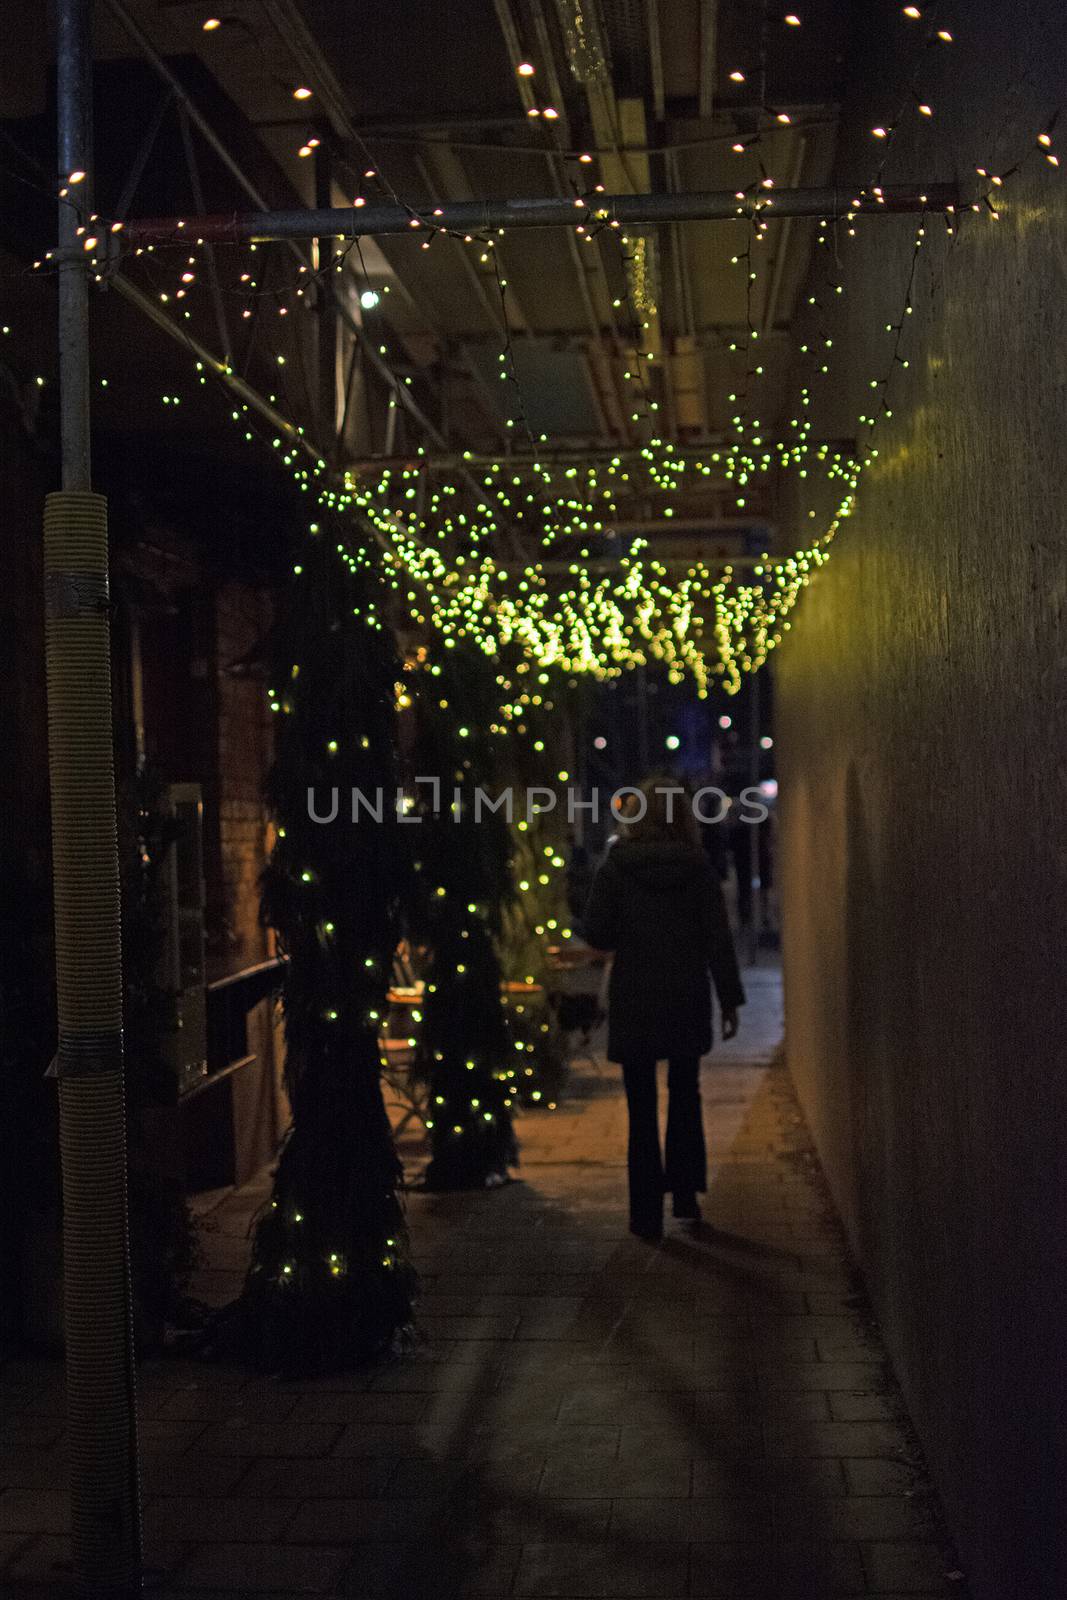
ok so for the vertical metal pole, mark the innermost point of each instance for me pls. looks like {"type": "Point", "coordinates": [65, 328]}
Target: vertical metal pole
{"type": "Point", "coordinates": [98, 1320]}
{"type": "Point", "coordinates": [74, 133]}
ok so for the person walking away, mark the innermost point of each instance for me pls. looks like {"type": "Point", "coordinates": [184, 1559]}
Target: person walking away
{"type": "Point", "coordinates": [656, 904]}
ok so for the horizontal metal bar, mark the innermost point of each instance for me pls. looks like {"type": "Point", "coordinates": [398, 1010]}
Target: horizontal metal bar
{"type": "Point", "coordinates": [554, 566]}
{"type": "Point", "coordinates": [690, 529]}
{"type": "Point", "coordinates": [567, 455]}
{"type": "Point", "coordinates": [546, 211]}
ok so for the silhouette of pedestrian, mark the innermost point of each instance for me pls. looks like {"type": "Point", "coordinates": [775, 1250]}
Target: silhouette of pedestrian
{"type": "Point", "coordinates": [656, 903]}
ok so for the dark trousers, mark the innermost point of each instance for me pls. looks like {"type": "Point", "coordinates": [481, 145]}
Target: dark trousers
{"type": "Point", "coordinates": [683, 1170]}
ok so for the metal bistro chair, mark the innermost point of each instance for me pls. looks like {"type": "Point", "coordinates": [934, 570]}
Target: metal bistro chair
{"type": "Point", "coordinates": [580, 1009]}
{"type": "Point", "coordinates": [398, 1043]}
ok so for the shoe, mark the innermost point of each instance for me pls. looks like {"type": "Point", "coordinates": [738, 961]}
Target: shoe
{"type": "Point", "coordinates": [647, 1230]}
{"type": "Point", "coordinates": [686, 1207]}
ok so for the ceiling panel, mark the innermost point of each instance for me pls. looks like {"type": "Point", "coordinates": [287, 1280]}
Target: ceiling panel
{"type": "Point", "coordinates": [556, 391]}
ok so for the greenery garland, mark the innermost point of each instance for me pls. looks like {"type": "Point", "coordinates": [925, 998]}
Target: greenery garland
{"type": "Point", "coordinates": [330, 1282]}
{"type": "Point", "coordinates": [462, 881]}
{"type": "Point", "coordinates": [534, 919]}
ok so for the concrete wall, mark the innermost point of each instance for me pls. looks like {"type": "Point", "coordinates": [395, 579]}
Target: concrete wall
{"type": "Point", "coordinates": [921, 733]}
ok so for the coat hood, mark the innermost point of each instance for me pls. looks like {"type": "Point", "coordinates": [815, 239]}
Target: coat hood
{"type": "Point", "coordinates": [662, 866]}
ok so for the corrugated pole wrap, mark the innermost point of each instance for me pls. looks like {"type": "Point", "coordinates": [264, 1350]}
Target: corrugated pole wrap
{"type": "Point", "coordinates": [98, 1318]}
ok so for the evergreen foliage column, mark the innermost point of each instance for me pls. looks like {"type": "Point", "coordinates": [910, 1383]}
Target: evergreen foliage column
{"type": "Point", "coordinates": [536, 919]}
{"type": "Point", "coordinates": [330, 1281]}
{"type": "Point", "coordinates": [462, 878]}
{"type": "Point", "coordinates": [537, 915]}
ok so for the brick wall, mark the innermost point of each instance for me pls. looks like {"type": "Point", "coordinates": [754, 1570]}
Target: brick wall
{"type": "Point", "coordinates": [242, 616]}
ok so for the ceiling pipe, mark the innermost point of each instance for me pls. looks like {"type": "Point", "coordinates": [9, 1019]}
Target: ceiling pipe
{"type": "Point", "coordinates": [543, 211]}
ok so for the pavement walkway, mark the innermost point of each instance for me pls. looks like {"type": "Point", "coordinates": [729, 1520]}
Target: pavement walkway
{"type": "Point", "coordinates": [588, 1415]}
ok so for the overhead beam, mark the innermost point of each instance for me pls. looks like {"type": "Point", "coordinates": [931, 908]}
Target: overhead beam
{"type": "Point", "coordinates": [542, 211]}
{"type": "Point", "coordinates": [513, 44]}
{"type": "Point", "coordinates": [554, 455]}
{"type": "Point", "coordinates": [453, 125]}
{"type": "Point", "coordinates": [655, 61]}
{"type": "Point", "coordinates": [709, 56]}
{"type": "Point", "coordinates": [709, 335]}
{"type": "Point", "coordinates": [554, 565]}
{"type": "Point", "coordinates": [774, 291]}
{"type": "Point", "coordinates": [547, 58]}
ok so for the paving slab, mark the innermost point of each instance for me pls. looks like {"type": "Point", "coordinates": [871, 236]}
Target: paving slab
{"type": "Point", "coordinates": [585, 1414]}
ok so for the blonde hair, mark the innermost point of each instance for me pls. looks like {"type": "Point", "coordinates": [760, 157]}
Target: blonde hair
{"type": "Point", "coordinates": [667, 816]}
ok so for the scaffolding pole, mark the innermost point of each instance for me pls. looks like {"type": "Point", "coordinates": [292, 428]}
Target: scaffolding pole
{"type": "Point", "coordinates": [544, 211]}
{"type": "Point", "coordinates": [97, 1306]}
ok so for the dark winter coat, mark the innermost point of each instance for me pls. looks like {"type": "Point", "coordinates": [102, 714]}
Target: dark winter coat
{"type": "Point", "coordinates": [659, 908]}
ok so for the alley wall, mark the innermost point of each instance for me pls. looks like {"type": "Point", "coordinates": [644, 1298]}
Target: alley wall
{"type": "Point", "coordinates": [922, 744]}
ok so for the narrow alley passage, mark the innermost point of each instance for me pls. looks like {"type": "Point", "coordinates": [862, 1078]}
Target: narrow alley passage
{"type": "Point", "coordinates": [586, 1414]}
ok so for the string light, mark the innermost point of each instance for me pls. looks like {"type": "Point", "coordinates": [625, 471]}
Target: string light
{"type": "Point", "coordinates": [588, 623]}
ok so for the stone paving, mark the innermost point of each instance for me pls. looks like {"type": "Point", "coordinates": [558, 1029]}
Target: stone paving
{"type": "Point", "coordinates": [587, 1415]}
